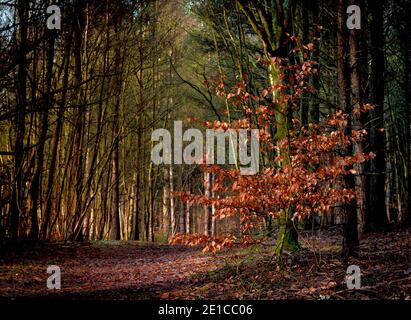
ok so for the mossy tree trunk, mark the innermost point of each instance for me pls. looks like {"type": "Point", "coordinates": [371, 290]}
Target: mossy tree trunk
{"type": "Point", "coordinates": [287, 238]}
{"type": "Point", "coordinates": [271, 24]}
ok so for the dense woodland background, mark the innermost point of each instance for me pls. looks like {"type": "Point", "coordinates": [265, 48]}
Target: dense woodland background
{"type": "Point", "coordinates": [78, 106]}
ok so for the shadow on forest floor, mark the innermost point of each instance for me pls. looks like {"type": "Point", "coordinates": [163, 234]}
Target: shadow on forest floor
{"type": "Point", "coordinates": [133, 270]}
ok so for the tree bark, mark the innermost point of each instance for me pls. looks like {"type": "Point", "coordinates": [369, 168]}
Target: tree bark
{"type": "Point", "coordinates": [357, 100]}
{"type": "Point", "coordinates": [20, 119]}
{"type": "Point", "coordinates": [208, 212]}
{"type": "Point", "coordinates": [376, 219]}
{"type": "Point", "coordinates": [350, 231]}
{"type": "Point", "coordinates": [172, 209]}
{"type": "Point", "coordinates": [115, 230]}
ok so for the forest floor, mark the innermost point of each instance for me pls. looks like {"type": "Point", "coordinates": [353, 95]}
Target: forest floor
{"type": "Point", "coordinates": [135, 270]}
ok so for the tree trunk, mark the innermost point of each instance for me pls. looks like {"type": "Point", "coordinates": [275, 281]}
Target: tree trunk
{"type": "Point", "coordinates": [407, 89]}
{"type": "Point", "coordinates": [166, 205]}
{"type": "Point", "coordinates": [20, 119]}
{"type": "Point", "coordinates": [172, 211]}
{"type": "Point", "coordinates": [357, 99]}
{"type": "Point", "coordinates": [207, 209]}
{"type": "Point", "coordinates": [115, 229]}
{"type": "Point", "coordinates": [187, 212]}
{"type": "Point", "coordinates": [213, 217]}
{"type": "Point", "coordinates": [376, 219]}
{"type": "Point", "coordinates": [287, 238]}
{"type": "Point", "coordinates": [350, 231]}
{"type": "Point", "coordinates": [78, 163]}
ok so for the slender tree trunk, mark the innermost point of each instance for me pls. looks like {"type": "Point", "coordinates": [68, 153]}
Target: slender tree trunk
{"type": "Point", "coordinates": [181, 217]}
{"type": "Point", "coordinates": [376, 219]}
{"type": "Point", "coordinates": [314, 78]}
{"type": "Point", "coordinates": [115, 229]}
{"type": "Point", "coordinates": [350, 231]}
{"type": "Point", "coordinates": [207, 209]}
{"type": "Point", "coordinates": [357, 99]}
{"type": "Point", "coordinates": [78, 164]}
{"type": "Point", "coordinates": [20, 119]}
{"type": "Point", "coordinates": [187, 217]}
{"type": "Point", "coordinates": [137, 194]}
{"type": "Point", "coordinates": [407, 89]}
{"type": "Point", "coordinates": [139, 112]}
{"type": "Point", "coordinates": [213, 216]}
{"type": "Point", "coordinates": [166, 204]}
{"type": "Point", "coordinates": [172, 211]}
{"type": "Point", "coordinates": [304, 103]}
